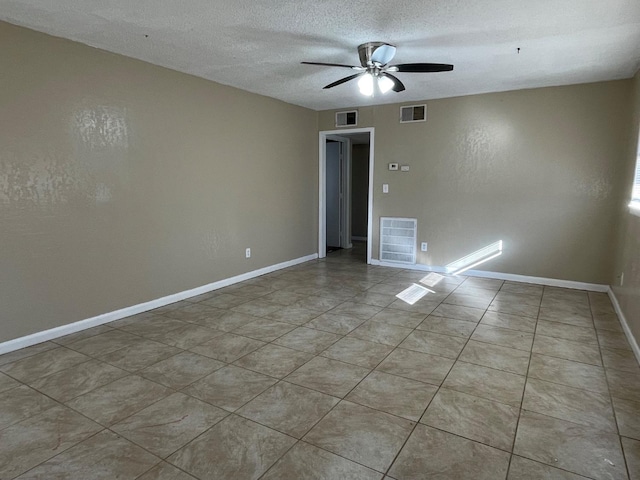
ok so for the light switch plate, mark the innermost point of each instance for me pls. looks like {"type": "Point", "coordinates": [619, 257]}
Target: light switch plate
{"type": "Point", "coordinates": [385, 188]}
{"type": "Point", "coordinates": [393, 166]}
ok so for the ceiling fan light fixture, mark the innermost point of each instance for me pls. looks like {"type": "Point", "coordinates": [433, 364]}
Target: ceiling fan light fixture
{"type": "Point", "coordinates": [365, 84]}
{"type": "Point", "coordinates": [385, 84]}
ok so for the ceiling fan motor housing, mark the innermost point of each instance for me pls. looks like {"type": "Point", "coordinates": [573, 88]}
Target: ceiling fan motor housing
{"type": "Point", "coordinates": [365, 51]}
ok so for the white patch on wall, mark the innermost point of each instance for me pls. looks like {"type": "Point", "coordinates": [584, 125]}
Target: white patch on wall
{"type": "Point", "coordinates": [398, 240]}
{"type": "Point", "coordinates": [101, 127]}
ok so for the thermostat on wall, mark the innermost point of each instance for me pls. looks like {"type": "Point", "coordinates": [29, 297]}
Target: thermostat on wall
{"type": "Point", "coordinates": [393, 166]}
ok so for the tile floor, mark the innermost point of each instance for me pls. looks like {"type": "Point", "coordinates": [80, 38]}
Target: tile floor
{"type": "Point", "coordinates": [319, 372]}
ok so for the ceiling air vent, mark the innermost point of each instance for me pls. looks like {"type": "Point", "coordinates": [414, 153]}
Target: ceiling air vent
{"type": "Point", "coordinates": [346, 119]}
{"type": "Point", "coordinates": [413, 113]}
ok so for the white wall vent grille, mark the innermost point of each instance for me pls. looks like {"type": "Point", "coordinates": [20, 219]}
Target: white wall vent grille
{"type": "Point", "coordinates": [413, 113]}
{"type": "Point", "coordinates": [398, 240]}
{"type": "Point", "coordinates": [346, 119]}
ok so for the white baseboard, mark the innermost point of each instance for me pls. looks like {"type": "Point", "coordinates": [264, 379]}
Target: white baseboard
{"type": "Point", "coordinates": [552, 282]}
{"type": "Point", "coordinates": [45, 335]}
{"type": "Point", "coordinates": [625, 325]}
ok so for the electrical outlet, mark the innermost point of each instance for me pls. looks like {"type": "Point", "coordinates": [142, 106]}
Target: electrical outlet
{"type": "Point", "coordinates": [247, 253]}
{"type": "Point", "coordinates": [385, 188]}
{"type": "Point", "coordinates": [423, 246]}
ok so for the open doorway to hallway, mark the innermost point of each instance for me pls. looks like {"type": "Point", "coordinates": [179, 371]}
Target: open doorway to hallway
{"type": "Point", "coordinates": [346, 173]}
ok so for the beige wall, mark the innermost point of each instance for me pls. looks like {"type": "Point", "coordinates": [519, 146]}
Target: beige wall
{"type": "Point", "coordinates": [540, 169]}
{"type": "Point", "coordinates": [628, 247]}
{"type": "Point", "coordinates": [122, 182]}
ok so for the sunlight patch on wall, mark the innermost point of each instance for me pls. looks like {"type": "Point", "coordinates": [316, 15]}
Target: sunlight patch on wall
{"type": "Point", "coordinates": [476, 258]}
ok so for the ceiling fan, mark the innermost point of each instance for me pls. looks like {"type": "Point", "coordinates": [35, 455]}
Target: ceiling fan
{"type": "Point", "coordinates": [374, 69]}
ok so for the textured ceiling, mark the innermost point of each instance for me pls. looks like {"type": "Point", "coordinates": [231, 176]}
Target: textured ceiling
{"type": "Point", "coordinates": [257, 45]}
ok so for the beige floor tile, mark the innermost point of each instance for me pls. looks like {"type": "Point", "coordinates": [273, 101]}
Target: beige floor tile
{"type": "Point", "coordinates": [145, 353]}
{"type": "Point", "coordinates": [20, 403]}
{"type": "Point", "coordinates": [26, 352]}
{"type": "Point", "coordinates": [431, 453]}
{"type": "Point", "coordinates": [417, 366]}
{"type": "Point", "coordinates": [224, 300]}
{"type": "Point", "coordinates": [42, 364]}
{"type": "Point", "coordinates": [568, 332]}
{"type": "Point", "coordinates": [361, 434]}
{"type": "Point", "coordinates": [575, 405]}
{"type": "Point", "coordinates": [335, 323]}
{"type": "Point", "coordinates": [580, 317]}
{"type": "Point", "coordinates": [617, 340]}
{"type": "Point", "coordinates": [628, 417]}
{"type": "Point", "coordinates": [475, 418]}
{"type": "Point", "coordinates": [424, 306]}
{"type": "Point", "coordinates": [288, 408]}
{"type": "Point", "coordinates": [147, 325]}
{"type": "Point", "coordinates": [258, 307]}
{"type": "Point", "coordinates": [169, 424]}
{"type": "Point", "coordinates": [181, 370]}
{"type": "Point", "coordinates": [504, 337]}
{"type": "Point", "coordinates": [307, 340]}
{"type": "Point", "coordinates": [569, 446]}
{"type": "Point", "coordinates": [187, 336]}
{"type": "Point", "coordinates": [117, 400]}
{"type": "Point", "coordinates": [228, 347]}
{"type": "Point", "coordinates": [376, 299]}
{"type": "Point", "coordinates": [283, 297]}
{"type": "Point", "coordinates": [235, 448]}
{"type": "Point", "coordinates": [566, 372]}
{"type": "Point", "coordinates": [447, 326]}
{"type": "Point", "coordinates": [624, 384]}
{"type": "Point", "coordinates": [306, 462]}
{"type": "Point", "coordinates": [525, 469]}
{"type": "Point", "coordinates": [28, 443]}
{"type": "Point", "coordinates": [194, 312]}
{"type": "Point", "coordinates": [227, 321]}
{"type": "Point", "coordinates": [620, 360]}
{"type": "Point", "coordinates": [89, 332]}
{"type": "Point", "coordinates": [294, 315]}
{"type": "Point", "coordinates": [487, 383]}
{"type": "Point", "coordinates": [264, 329]}
{"type": "Point", "coordinates": [78, 380]}
{"type": "Point", "coordinates": [495, 356]}
{"type": "Point", "coordinates": [230, 387]}
{"type": "Point", "coordinates": [465, 300]}
{"type": "Point", "coordinates": [379, 332]}
{"type": "Point", "coordinates": [514, 322]}
{"type": "Point", "coordinates": [522, 288]}
{"type": "Point", "coordinates": [318, 304]}
{"type": "Point", "coordinates": [434, 343]}
{"type": "Point", "coordinates": [274, 360]}
{"type": "Point", "coordinates": [566, 349]}
{"type": "Point", "coordinates": [608, 322]}
{"type": "Point", "coordinates": [166, 471]}
{"type": "Point", "coordinates": [328, 376]}
{"type": "Point", "coordinates": [104, 456]}
{"type": "Point", "coordinates": [517, 309]}
{"type": "Point", "coordinates": [392, 394]}
{"type": "Point", "coordinates": [632, 455]}
{"type": "Point", "coordinates": [459, 312]}
{"type": "Point", "coordinates": [519, 298]}
{"type": "Point", "coordinates": [7, 383]}
{"type": "Point", "coordinates": [105, 343]}
{"type": "Point", "coordinates": [358, 352]}
{"type": "Point", "coordinates": [248, 290]}
{"type": "Point", "coordinates": [358, 310]}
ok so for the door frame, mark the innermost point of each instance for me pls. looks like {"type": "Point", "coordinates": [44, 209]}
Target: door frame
{"type": "Point", "coordinates": [322, 185]}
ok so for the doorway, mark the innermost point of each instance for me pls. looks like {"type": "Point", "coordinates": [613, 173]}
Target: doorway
{"type": "Point", "coordinates": [345, 190]}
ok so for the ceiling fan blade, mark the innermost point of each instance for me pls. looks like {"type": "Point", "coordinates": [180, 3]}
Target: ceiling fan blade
{"type": "Point", "coordinates": [332, 65]}
{"type": "Point", "coordinates": [398, 86]}
{"type": "Point", "coordinates": [421, 67]}
{"type": "Point", "coordinates": [383, 54]}
{"type": "Point", "coordinates": [343, 80]}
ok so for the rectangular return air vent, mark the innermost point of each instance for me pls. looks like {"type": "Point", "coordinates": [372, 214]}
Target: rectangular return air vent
{"type": "Point", "coordinates": [398, 240]}
{"type": "Point", "coordinates": [413, 113]}
{"type": "Point", "coordinates": [346, 119]}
